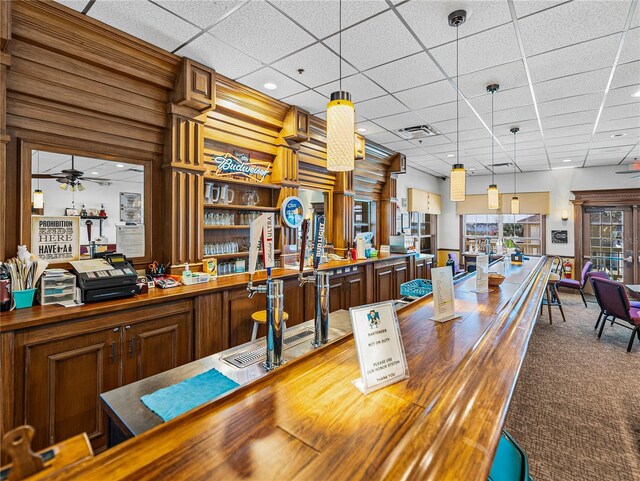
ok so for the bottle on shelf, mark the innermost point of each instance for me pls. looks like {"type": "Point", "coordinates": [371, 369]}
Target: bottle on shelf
{"type": "Point", "coordinates": [102, 213]}
{"type": "Point", "coordinates": [83, 211]}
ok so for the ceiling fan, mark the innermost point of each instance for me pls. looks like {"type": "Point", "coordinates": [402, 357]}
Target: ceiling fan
{"type": "Point", "coordinates": [634, 168]}
{"type": "Point", "coordinates": [70, 178]}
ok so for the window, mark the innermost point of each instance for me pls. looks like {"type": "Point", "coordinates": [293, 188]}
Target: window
{"type": "Point", "coordinates": [524, 229]}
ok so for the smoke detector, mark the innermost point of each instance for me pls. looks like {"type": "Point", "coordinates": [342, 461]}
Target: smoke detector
{"type": "Point", "coordinates": [418, 132]}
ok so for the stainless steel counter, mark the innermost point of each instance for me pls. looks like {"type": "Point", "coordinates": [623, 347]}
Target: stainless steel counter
{"type": "Point", "coordinates": [132, 417]}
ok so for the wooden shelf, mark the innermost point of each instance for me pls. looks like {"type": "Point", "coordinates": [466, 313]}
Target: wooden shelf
{"type": "Point", "coordinates": [261, 208]}
{"type": "Point", "coordinates": [232, 227]}
{"type": "Point", "coordinates": [93, 217]}
{"type": "Point", "coordinates": [257, 185]}
{"type": "Point", "coordinates": [233, 255]}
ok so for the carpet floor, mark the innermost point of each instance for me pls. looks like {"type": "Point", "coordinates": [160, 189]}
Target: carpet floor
{"type": "Point", "coordinates": [576, 407]}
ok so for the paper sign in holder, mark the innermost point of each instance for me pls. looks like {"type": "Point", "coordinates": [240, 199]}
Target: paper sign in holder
{"type": "Point", "coordinates": [444, 303]}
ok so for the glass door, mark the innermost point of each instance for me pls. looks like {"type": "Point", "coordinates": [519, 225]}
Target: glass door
{"type": "Point", "coordinates": [609, 241]}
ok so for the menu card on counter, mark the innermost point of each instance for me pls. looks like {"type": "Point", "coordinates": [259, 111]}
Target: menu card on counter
{"type": "Point", "coordinates": [379, 346]}
{"type": "Point", "coordinates": [444, 305]}
{"type": "Point", "coordinates": [482, 274]}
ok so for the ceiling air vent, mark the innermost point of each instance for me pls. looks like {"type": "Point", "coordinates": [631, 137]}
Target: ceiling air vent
{"type": "Point", "coordinates": [504, 164]}
{"type": "Point", "coordinates": [418, 132]}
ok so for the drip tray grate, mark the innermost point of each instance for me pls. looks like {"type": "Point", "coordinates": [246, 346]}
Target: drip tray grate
{"type": "Point", "coordinates": [257, 353]}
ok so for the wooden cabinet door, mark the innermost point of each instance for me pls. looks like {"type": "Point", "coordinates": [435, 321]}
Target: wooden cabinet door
{"type": "Point", "coordinates": [401, 275]}
{"type": "Point", "coordinates": [62, 384]}
{"type": "Point", "coordinates": [157, 345]}
{"type": "Point", "coordinates": [421, 270]}
{"type": "Point", "coordinates": [239, 309]}
{"type": "Point", "coordinates": [354, 290]}
{"type": "Point", "coordinates": [294, 302]}
{"type": "Point", "coordinates": [384, 283]}
{"type": "Point", "coordinates": [336, 299]}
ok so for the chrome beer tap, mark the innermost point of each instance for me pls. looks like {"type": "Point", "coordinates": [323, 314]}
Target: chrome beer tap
{"type": "Point", "coordinates": [319, 279]}
{"type": "Point", "coordinates": [274, 289]}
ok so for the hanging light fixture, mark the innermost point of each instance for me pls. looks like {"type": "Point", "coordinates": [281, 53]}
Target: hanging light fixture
{"type": "Point", "coordinates": [493, 195]}
{"type": "Point", "coordinates": [457, 189]}
{"type": "Point", "coordinates": [515, 202]}
{"type": "Point", "coordinates": [340, 124]}
{"type": "Point", "coordinates": [38, 195]}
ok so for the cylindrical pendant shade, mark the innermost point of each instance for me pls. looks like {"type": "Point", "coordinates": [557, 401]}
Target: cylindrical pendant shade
{"type": "Point", "coordinates": [457, 191]}
{"type": "Point", "coordinates": [38, 199]}
{"type": "Point", "coordinates": [515, 205]}
{"type": "Point", "coordinates": [493, 197]}
{"type": "Point", "coordinates": [340, 133]}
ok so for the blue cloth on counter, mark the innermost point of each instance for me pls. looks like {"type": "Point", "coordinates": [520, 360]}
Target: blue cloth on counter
{"type": "Point", "coordinates": [170, 402]}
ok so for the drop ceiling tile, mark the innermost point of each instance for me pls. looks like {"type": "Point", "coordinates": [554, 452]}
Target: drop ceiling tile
{"type": "Point", "coordinates": [380, 107]}
{"type": "Point", "coordinates": [439, 112]}
{"type": "Point", "coordinates": [570, 104]}
{"type": "Point", "coordinates": [378, 40]}
{"type": "Point", "coordinates": [251, 30]}
{"type": "Point", "coordinates": [628, 111]}
{"type": "Point", "coordinates": [567, 131]}
{"type": "Point", "coordinates": [77, 5]}
{"type": "Point", "coordinates": [408, 72]}
{"type": "Point", "coordinates": [504, 99]}
{"type": "Point", "coordinates": [536, 167]}
{"type": "Point", "coordinates": [593, 162]}
{"type": "Point", "coordinates": [571, 23]}
{"type": "Point", "coordinates": [508, 76]}
{"type": "Point", "coordinates": [564, 120]}
{"type": "Point", "coordinates": [507, 117]}
{"type": "Point", "coordinates": [618, 125]}
{"type": "Point", "coordinates": [449, 126]}
{"type": "Point", "coordinates": [321, 17]}
{"type": "Point", "coordinates": [563, 149]}
{"type": "Point", "coordinates": [320, 66]}
{"type": "Point", "coordinates": [401, 145]}
{"type": "Point", "coordinates": [626, 74]}
{"type": "Point", "coordinates": [309, 100]}
{"type": "Point", "coordinates": [476, 134]}
{"type": "Point", "coordinates": [578, 84]}
{"type": "Point", "coordinates": [226, 60]}
{"type": "Point", "coordinates": [593, 55]}
{"type": "Point", "coordinates": [360, 87]}
{"type": "Point", "coordinates": [203, 13]}
{"type": "Point", "coordinates": [398, 121]}
{"type": "Point", "coordinates": [630, 51]}
{"type": "Point", "coordinates": [487, 49]}
{"type": "Point", "coordinates": [286, 86]}
{"type": "Point", "coordinates": [145, 21]}
{"type": "Point", "coordinates": [428, 95]}
{"type": "Point", "coordinates": [622, 137]}
{"type": "Point", "coordinates": [322, 115]}
{"type": "Point", "coordinates": [371, 128]}
{"type": "Point", "coordinates": [529, 131]}
{"type": "Point", "coordinates": [383, 137]}
{"type": "Point", "coordinates": [571, 140]}
{"type": "Point", "coordinates": [623, 95]}
{"type": "Point", "coordinates": [574, 155]}
{"type": "Point", "coordinates": [528, 7]}
{"type": "Point", "coordinates": [430, 143]}
{"type": "Point", "coordinates": [429, 20]}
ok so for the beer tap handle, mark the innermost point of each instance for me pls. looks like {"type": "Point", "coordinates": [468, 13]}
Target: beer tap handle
{"type": "Point", "coordinates": [303, 247]}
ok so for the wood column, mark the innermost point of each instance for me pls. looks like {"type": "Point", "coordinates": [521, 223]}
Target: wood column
{"type": "Point", "coordinates": [192, 97]}
{"type": "Point", "coordinates": [343, 204]}
{"type": "Point", "coordinates": [388, 203]}
{"type": "Point", "coordinates": [5, 63]}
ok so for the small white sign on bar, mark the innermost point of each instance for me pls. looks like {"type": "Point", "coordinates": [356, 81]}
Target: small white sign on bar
{"type": "Point", "coordinates": [482, 274]}
{"type": "Point", "coordinates": [379, 346]}
{"type": "Point", "coordinates": [444, 304]}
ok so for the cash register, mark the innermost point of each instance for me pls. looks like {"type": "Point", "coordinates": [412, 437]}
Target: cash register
{"type": "Point", "coordinates": [103, 279]}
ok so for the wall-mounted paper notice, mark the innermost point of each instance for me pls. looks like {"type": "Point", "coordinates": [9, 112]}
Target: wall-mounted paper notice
{"type": "Point", "coordinates": [130, 240]}
{"type": "Point", "coordinates": [444, 307]}
{"type": "Point", "coordinates": [379, 346]}
{"type": "Point", "coordinates": [482, 274]}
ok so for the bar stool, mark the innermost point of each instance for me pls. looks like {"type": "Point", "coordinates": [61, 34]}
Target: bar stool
{"type": "Point", "coordinates": [260, 317]}
{"type": "Point", "coordinates": [552, 297]}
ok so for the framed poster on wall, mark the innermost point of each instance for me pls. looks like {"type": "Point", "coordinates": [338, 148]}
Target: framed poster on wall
{"type": "Point", "coordinates": [55, 239]}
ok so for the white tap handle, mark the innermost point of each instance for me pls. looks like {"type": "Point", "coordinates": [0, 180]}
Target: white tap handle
{"type": "Point", "coordinates": [268, 234]}
{"type": "Point", "coordinates": [255, 231]}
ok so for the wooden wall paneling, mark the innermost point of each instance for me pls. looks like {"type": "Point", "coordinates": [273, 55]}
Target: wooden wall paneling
{"type": "Point", "coordinates": [5, 64]}
{"type": "Point", "coordinates": [7, 380]}
{"type": "Point", "coordinates": [184, 232]}
{"type": "Point", "coordinates": [195, 86]}
{"type": "Point", "coordinates": [343, 204]}
{"type": "Point", "coordinates": [388, 206]}
{"type": "Point", "coordinates": [209, 324]}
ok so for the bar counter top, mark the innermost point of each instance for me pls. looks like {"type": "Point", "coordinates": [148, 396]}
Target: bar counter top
{"type": "Point", "coordinates": [40, 315]}
{"type": "Point", "coordinates": [307, 421]}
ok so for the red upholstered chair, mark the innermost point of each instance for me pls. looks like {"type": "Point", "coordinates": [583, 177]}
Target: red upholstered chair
{"type": "Point", "coordinates": [615, 305]}
{"type": "Point", "coordinates": [579, 285]}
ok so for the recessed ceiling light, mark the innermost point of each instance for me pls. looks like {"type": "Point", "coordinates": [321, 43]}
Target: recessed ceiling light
{"type": "Point", "coordinates": [637, 94]}
{"type": "Point", "coordinates": [94, 173]}
{"type": "Point", "coordinates": [270, 86]}
{"type": "Point", "coordinates": [564, 167]}
{"type": "Point", "coordinates": [120, 165]}
{"type": "Point", "coordinates": [451, 155]}
{"type": "Point", "coordinates": [361, 130]}
{"type": "Point", "coordinates": [617, 135]}
{"type": "Point", "coordinates": [567, 160]}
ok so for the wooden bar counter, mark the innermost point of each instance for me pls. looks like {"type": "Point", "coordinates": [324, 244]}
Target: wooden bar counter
{"type": "Point", "coordinates": [307, 421]}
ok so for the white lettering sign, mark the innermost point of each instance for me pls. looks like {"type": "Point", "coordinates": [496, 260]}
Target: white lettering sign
{"type": "Point", "coordinates": [379, 346]}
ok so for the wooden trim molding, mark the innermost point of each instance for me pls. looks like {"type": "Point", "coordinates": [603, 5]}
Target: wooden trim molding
{"type": "Point", "coordinates": [607, 197]}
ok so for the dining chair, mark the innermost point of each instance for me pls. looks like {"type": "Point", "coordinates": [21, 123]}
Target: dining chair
{"type": "Point", "coordinates": [616, 307]}
{"type": "Point", "coordinates": [575, 284]}
{"type": "Point", "coordinates": [599, 275]}
{"type": "Point", "coordinates": [456, 265]}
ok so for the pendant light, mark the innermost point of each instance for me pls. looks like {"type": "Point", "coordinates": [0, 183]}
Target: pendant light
{"type": "Point", "coordinates": [340, 124]}
{"type": "Point", "coordinates": [515, 202]}
{"type": "Point", "coordinates": [38, 195]}
{"type": "Point", "coordinates": [457, 189]}
{"type": "Point", "coordinates": [493, 195]}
